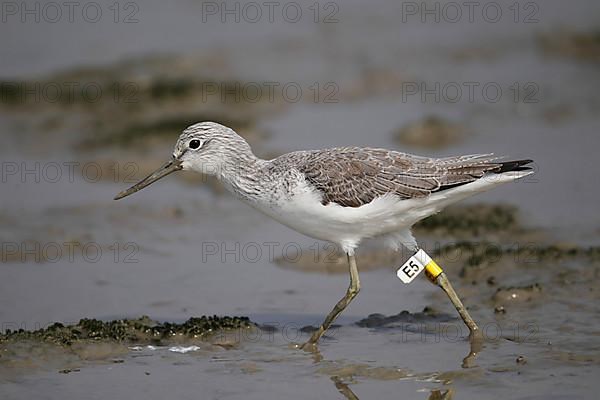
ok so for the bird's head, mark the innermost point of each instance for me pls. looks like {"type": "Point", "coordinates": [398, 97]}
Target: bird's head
{"type": "Point", "coordinates": [205, 147]}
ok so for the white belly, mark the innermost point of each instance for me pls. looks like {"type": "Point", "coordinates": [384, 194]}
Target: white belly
{"type": "Point", "coordinates": [385, 215]}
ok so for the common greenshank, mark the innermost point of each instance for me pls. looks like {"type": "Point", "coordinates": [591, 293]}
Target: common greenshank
{"type": "Point", "coordinates": [342, 195]}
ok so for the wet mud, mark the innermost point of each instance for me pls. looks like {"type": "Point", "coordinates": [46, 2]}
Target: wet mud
{"type": "Point", "coordinates": [582, 46]}
{"type": "Point", "coordinates": [431, 133]}
{"type": "Point", "coordinates": [137, 331]}
{"type": "Point", "coordinates": [524, 258]}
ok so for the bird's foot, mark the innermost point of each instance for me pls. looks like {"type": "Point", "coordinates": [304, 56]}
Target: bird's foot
{"type": "Point", "coordinates": [312, 349]}
{"type": "Point", "coordinates": [475, 336]}
{"type": "Point", "coordinates": [476, 341]}
{"type": "Point", "coordinates": [309, 347]}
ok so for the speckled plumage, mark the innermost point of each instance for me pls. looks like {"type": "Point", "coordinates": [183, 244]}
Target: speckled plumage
{"type": "Point", "coordinates": [355, 176]}
{"type": "Point", "coordinates": [347, 176]}
{"type": "Point", "coordinates": [342, 195]}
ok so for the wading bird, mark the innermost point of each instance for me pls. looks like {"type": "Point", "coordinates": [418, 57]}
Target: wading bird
{"type": "Point", "coordinates": [341, 195]}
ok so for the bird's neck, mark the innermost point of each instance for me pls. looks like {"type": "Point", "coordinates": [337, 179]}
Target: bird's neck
{"type": "Point", "coordinates": [243, 174]}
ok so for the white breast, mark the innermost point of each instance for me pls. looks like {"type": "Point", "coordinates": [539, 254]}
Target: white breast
{"type": "Point", "coordinates": [347, 226]}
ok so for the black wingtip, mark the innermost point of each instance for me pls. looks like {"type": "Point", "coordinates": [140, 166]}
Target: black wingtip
{"type": "Point", "coordinates": [517, 165]}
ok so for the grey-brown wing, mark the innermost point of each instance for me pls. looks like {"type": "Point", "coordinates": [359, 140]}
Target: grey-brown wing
{"type": "Point", "coordinates": [352, 177]}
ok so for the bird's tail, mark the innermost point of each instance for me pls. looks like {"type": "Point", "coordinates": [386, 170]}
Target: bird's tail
{"type": "Point", "coordinates": [517, 165]}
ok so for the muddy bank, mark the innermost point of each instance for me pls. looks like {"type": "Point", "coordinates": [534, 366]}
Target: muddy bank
{"type": "Point", "coordinates": [65, 347]}
{"type": "Point", "coordinates": [476, 240]}
{"type": "Point", "coordinates": [581, 46]}
{"type": "Point", "coordinates": [133, 104]}
{"type": "Point", "coordinates": [458, 228]}
{"type": "Point", "coordinates": [431, 132]}
{"type": "Point", "coordinates": [428, 315]}
{"type": "Point", "coordinates": [136, 331]}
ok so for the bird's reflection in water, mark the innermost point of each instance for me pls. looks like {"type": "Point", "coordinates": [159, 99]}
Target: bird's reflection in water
{"type": "Point", "coordinates": [345, 390]}
{"type": "Point", "coordinates": [476, 346]}
{"type": "Point", "coordinates": [441, 395]}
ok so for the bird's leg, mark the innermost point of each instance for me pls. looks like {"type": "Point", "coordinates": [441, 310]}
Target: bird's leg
{"type": "Point", "coordinates": [438, 277]}
{"type": "Point", "coordinates": [341, 305]}
{"type": "Point", "coordinates": [474, 350]}
{"type": "Point", "coordinates": [344, 388]}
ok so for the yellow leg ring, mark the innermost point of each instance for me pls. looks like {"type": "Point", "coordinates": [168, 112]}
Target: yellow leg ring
{"type": "Point", "coordinates": [432, 270]}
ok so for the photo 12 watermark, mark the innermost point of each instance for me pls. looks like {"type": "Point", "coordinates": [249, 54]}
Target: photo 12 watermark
{"type": "Point", "coordinates": [296, 332]}
{"type": "Point", "coordinates": [67, 92]}
{"type": "Point", "coordinates": [54, 12]}
{"type": "Point", "coordinates": [70, 252]}
{"type": "Point", "coordinates": [470, 92]}
{"type": "Point", "coordinates": [252, 12]}
{"type": "Point", "coordinates": [405, 332]}
{"type": "Point", "coordinates": [35, 172]}
{"type": "Point", "coordinates": [270, 92]}
{"type": "Point", "coordinates": [471, 12]}
{"type": "Point", "coordinates": [520, 252]}
{"type": "Point", "coordinates": [23, 93]}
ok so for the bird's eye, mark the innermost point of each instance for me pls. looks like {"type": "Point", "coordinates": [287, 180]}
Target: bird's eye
{"type": "Point", "coordinates": [194, 144]}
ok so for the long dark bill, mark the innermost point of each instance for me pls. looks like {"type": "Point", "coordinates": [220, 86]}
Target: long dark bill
{"type": "Point", "coordinates": [167, 168]}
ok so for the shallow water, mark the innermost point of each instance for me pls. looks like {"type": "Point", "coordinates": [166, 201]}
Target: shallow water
{"type": "Point", "coordinates": [182, 249]}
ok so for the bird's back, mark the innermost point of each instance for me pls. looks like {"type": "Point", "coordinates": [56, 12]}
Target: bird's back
{"type": "Point", "coordinates": [355, 176]}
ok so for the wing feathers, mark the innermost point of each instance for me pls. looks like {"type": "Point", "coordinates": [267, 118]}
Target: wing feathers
{"type": "Point", "coordinates": [352, 177]}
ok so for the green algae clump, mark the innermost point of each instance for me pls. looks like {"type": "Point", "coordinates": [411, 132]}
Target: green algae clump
{"type": "Point", "coordinates": [138, 331]}
{"type": "Point", "coordinates": [471, 219]}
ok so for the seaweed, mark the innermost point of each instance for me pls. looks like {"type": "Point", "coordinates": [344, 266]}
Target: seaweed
{"type": "Point", "coordinates": [141, 330]}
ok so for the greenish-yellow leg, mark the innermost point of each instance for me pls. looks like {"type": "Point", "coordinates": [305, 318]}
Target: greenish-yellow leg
{"type": "Point", "coordinates": [341, 305]}
{"type": "Point", "coordinates": [443, 282]}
